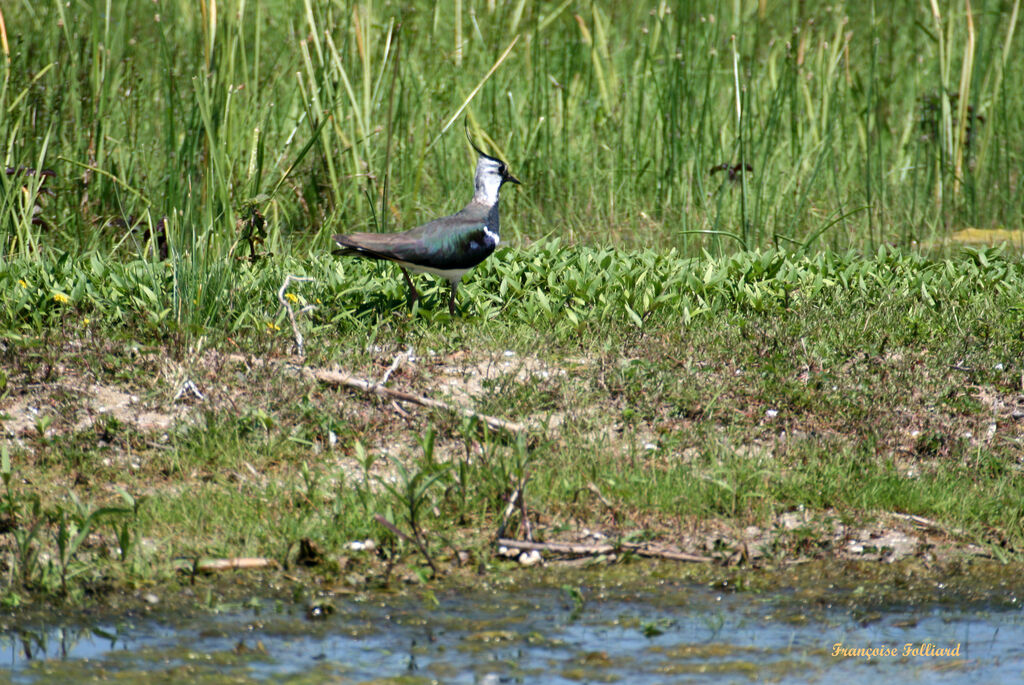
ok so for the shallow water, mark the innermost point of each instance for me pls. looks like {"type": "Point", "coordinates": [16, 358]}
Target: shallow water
{"type": "Point", "coordinates": [532, 635]}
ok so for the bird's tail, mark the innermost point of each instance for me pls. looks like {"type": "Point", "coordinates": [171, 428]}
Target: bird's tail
{"type": "Point", "coordinates": [342, 248]}
{"type": "Point", "coordinates": [346, 247]}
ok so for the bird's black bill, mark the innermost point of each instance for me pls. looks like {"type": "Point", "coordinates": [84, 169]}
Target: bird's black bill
{"type": "Point", "coordinates": [509, 178]}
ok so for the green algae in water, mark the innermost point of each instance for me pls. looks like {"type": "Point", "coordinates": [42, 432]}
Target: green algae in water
{"type": "Point", "coordinates": [715, 650]}
{"type": "Point", "coordinates": [525, 632]}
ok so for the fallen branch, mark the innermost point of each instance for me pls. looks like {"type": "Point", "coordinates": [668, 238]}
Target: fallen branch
{"type": "Point", "coordinates": [237, 563]}
{"type": "Point", "coordinates": [343, 379]}
{"type": "Point", "coordinates": [604, 500]}
{"type": "Point", "coordinates": [923, 522]}
{"type": "Point", "coordinates": [604, 548]}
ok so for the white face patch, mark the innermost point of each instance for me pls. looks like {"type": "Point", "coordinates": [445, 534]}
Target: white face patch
{"type": "Point", "coordinates": [487, 181]}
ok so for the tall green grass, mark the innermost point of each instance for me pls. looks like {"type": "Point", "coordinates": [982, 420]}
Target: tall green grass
{"type": "Point", "coordinates": [864, 123]}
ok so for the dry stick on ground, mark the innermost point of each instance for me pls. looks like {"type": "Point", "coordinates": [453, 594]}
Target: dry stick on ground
{"type": "Point", "coordinates": [398, 410]}
{"type": "Point", "coordinates": [300, 346]}
{"type": "Point", "coordinates": [343, 379]}
{"type": "Point", "coordinates": [399, 359]}
{"type": "Point", "coordinates": [604, 500]}
{"type": "Point", "coordinates": [236, 563]}
{"type": "Point", "coordinates": [338, 378]}
{"type": "Point", "coordinates": [923, 522]}
{"type": "Point", "coordinates": [596, 550]}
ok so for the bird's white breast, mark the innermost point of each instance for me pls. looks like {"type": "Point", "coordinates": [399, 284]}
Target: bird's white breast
{"type": "Point", "coordinates": [451, 275]}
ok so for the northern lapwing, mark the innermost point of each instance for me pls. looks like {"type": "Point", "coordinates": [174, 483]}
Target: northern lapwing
{"type": "Point", "coordinates": [447, 247]}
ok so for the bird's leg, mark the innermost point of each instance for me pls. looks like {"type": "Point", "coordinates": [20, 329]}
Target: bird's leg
{"type": "Point", "coordinates": [451, 301]}
{"type": "Point", "coordinates": [413, 295]}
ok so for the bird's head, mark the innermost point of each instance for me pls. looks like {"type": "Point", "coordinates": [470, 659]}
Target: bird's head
{"type": "Point", "coordinates": [491, 173]}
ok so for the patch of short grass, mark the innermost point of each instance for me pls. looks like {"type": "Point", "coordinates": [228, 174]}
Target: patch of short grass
{"type": "Point", "coordinates": [752, 386]}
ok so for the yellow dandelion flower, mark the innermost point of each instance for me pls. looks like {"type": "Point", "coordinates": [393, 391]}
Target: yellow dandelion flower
{"type": "Point", "coordinates": [60, 298]}
{"type": "Point", "coordinates": [86, 321]}
{"type": "Point", "coordinates": [22, 283]}
{"type": "Point", "coordinates": [271, 326]}
{"type": "Point", "coordinates": [292, 296]}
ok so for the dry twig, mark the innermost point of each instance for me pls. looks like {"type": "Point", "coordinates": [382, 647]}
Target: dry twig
{"type": "Point", "coordinates": [604, 548]}
{"type": "Point", "coordinates": [604, 500]}
{"type": "Point", "coordinates": [508, 512]}
{"type": "Point", "coordinates": [923, 522]}
{"type": "Point", "coordinates": [343, 379]}
{"type": "Point", "coordinates": [233, 564]}
{"type": "Point", "coordinates": [300, 346]}
{"type": "Point", "coordinates": [351, 382]}
{"type": "Point", "coordinates": [399, 359]}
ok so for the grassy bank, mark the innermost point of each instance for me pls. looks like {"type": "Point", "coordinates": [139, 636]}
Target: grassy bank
{"type": "Point", "coordinates": [724, 318]}
{"type": "Point", "coordinates": [765, 406]}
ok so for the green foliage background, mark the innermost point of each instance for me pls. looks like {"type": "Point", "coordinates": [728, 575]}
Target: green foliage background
{"type": "Point", "coordinates": [864, 123]}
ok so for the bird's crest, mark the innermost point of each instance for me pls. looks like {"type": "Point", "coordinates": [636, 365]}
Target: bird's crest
{"type": "Point", "coordinates": [502, 168]}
